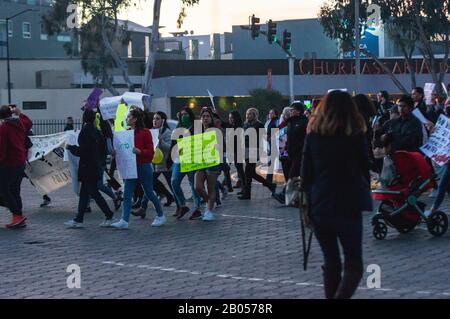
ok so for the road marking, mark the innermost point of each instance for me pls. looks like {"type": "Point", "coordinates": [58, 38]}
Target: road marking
{"type": "Point", "coordinates": [253, 279]}
{"type": "Point", "coordinates": [252, 217]}
{"type": "Point", "coordinates": [423, 292]}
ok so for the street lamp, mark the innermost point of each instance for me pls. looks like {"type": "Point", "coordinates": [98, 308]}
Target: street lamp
{"type": "Point", "coordinates": [7, 50]}
{"type": "Point", "coordinates": [358, 48]}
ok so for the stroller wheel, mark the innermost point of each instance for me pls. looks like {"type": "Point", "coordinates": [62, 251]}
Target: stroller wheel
{"type": "Point", "coordinates": [379, 230]}
{"type": "Point", "coordinates": [437, 223]}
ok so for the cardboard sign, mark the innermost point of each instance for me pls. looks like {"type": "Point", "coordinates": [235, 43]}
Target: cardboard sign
{"type": "Point", "coordinates": [438, 146]}
{"type": "Point", "coordinates": [46, 168]}
{"type": "Point", "coordinates": [125, 158]}
{"type": "Point", "coordinates": [198, 152]}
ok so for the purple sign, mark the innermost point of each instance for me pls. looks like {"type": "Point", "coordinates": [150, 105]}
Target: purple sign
{"type": "Point", "coordinates": [93, 98]}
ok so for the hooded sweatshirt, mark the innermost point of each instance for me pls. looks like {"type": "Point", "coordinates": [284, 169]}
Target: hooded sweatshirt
{"type": "Point", "coordinates": [12, 141]}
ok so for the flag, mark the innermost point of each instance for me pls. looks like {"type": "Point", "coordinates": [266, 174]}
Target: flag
{"type": "Point", "coordinates": [211, 97]}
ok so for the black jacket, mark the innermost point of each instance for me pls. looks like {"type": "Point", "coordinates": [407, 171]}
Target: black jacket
{"type": "Point", "coordinates": [407, 134]}
{"type": "Point", "coordinates": [296, 132]}
{"type": "Point", "coordinates": [257, 126]}
{"type": "Point", "coordinates": [89, 152]}
{"type": "Point", "coordinates": [335, 174]}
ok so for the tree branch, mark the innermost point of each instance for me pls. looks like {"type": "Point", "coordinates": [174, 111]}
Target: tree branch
{"type": "Point", "coordinates": [386, 70]}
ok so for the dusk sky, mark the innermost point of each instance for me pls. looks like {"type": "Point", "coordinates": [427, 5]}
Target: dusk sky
{"type": "Point", "coordinates": [219, 15]}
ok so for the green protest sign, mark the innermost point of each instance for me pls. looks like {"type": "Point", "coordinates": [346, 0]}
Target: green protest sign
{"type": "Point", "coordinates": [198, 152]}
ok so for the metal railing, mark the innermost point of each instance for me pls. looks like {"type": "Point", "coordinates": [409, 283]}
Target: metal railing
{"type": "Point", "coordinates": [45, 127]}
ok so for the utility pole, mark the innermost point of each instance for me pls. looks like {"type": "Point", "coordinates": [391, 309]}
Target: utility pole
{"type": "Point", "coordinates": [8, 67]}
{"type": "Point", "coordinates": [285, 46]}
{"type": "Point", "coordinates": [358, 49]}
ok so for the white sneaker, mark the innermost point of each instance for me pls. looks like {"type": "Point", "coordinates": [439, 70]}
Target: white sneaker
{"type": "Point", "coordinates": [73, 224]}
{"type": "Point", "coordinates": [159, 221]}
{"type": "Point", "coordinates": [121, 224]}
{"type": "Point", "coordinates": [427, 213]}
{"type": "Point", "coordinates": [106, 223]}
{"type": "Point", "coordinates": [208, 216]}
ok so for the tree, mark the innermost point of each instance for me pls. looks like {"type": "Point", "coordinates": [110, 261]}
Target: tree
{"type": "Point", "coordinates": [432, 19]}
{"type": "Point", "coordinates": [411, 24]}
{"type": "Point", "coordinates": [100, 31]}
{"type": "Point", "coordinates": [150, 64]}
{"type": "Point", "coordinates": [427, 21]}
{"type": "Point", "coordinates": [399, 25]}
{"type": "Point", "coordinates": [338, 21]}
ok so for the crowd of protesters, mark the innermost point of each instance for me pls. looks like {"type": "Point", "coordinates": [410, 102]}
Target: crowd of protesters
{"type": "Point", "coordinates": [332, 147]}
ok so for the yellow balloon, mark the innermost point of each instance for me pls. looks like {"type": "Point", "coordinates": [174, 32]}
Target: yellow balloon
{"type": "Point", "coordinates": [158, 157]}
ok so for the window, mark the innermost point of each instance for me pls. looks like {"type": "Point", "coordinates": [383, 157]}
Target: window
{"type": "Point", "coordinates": [2, 39]}
{"type": "Point", "coordinates": [64, 38]}
{"type": "Point", "coordinates": [26, 30]}
{"type": "Point", "coordinates": [3, 28]}
{"type": "Point", "coordinates": [35, 105]}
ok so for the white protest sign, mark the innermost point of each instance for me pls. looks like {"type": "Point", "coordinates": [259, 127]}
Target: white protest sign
{"type": "Point", "coordinates": [342, 90]}
{"type": "Point", "coordinates": [125, 158]}
{"type": "Point", "coordinates": [438, 146]}
{"type": "Point", "coordinates": [428, 90]}
{"type": "Point", "coordinates": [45, 144]}
{"type": "Point", "coordinates": [45, 168]}
{"type": "Point", "coordinates": [155, 135]}
{"type": "Point", "coordinates": [108, 105]}
{"type": "Point", "coordinates": [74, 161]}
{"type": "Point", "coordinates": [71, 139]}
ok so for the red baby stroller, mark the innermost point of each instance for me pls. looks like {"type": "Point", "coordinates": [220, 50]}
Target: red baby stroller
{"type": "Point", "coordinates": [399, 207]}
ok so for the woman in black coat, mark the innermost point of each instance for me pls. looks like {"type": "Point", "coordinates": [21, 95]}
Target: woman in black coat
{"type": "Point", "coordinates": [335, 175]}
{"type": "Point", "coordinates": [89, 170]}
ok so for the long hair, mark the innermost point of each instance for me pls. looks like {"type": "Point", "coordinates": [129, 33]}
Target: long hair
{"type": "Point", "coordinates": [163, 116]}
{"type": "Point", "coordinates": [139, 116]}
{"type": "Point", "coordinates": [190, 114]}
{"type": "Point", "coordinates": [238, 122]}
{"type": "Point", "coordinates": [88, 117]}
{"type": "Point", "coordinates": [148, 119]}
{"type": "Point", "coordinates": [208, 110]}
{"type": "Point", "coordinates": [338, 114]}
{"type": "Point", "coordinates": [365, 106]}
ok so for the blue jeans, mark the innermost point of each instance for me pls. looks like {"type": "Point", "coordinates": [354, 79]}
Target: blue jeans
{"type": "Point", "coordinates": [145, 177]}
{"type": "Point", "coordinates": [442, 189]}
{"type": "Point", "coordinates": [167, 176]}
{"type": "Point", "coordinates": [177, 178]}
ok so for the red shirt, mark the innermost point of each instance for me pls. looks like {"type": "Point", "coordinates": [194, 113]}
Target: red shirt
{"type": "Point", "coordinates": [12, 140]}
{"type": "Point", "coordinates": [144, 142]}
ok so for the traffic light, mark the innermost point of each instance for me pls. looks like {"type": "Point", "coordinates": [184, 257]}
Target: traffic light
{"type": "Point", "coordinates": [255, 28]}
{"type": "Point", "coordinates": [271, 32]}
{"type": "Point", "coordinates": [287, 40]}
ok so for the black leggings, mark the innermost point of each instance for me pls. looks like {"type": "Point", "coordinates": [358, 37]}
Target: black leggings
{"type": "Point", "coordinates": [90, 190]}
{"type": "Point", "coordinates": [348, 232]}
